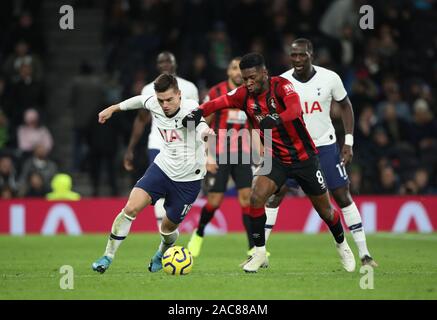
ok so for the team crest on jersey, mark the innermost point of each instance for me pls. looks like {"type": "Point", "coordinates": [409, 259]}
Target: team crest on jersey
{"type": "Point", "coordinates": [288, 88]}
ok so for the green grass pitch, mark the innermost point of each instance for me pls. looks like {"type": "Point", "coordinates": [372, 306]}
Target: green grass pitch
{"type": "Point", "coordinates": [301, 267]}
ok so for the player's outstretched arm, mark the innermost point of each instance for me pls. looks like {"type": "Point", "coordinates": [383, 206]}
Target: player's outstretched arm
{"type": "Point", "coordinates": [140, 122]}
{"type": "Point", "coordinates": [129, 104]}
{"type": "Point", "coordinates": [107, 113]}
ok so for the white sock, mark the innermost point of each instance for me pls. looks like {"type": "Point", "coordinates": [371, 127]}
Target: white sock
{"type": "Point", "coordinates": [353, 220]}
{"type": "Point", "coordinates": [167, 240]}
{"type": "Point", "coordinates": [119, 231]}
{"type": "Point", "coordinates": [261, 250]}
{"type": "Point", "coordinates": [271, 214]}
{"type": "Point", "coordinates": [159, 211]}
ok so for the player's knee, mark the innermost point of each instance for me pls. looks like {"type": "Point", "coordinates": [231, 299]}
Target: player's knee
{"type": "Point", "coordinates": [273, 202]}
{"type": "Point", "coordinates": [343, 199]}
{"type": "Point", "coordinates": [256, 200]}
{"type": "Point", "coordinates": [131, 210]}
{"type": "Point", "coordinates": [245, 200]}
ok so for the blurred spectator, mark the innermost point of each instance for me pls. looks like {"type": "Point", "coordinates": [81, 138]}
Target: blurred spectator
{"type": "Point", "coordinates": [103, 145]}
{"type": "Point", "coordinates": [339, 14]}
{"type": "Point", "coordinates": [393, 96]}
{"type": "Point", "coordinates": [26, 29]}
{"type": "Point", "coordinates": [6, 192]}
{"type": "Point", "coordinates": [38, 163]}
{"type": "Point", "coordinates": [61, 188]}
{"type": "Point", "coordinates": [396, 128]}
{"type": "Point", "coordinates": [421, 178]}
{"type": "Point", "coordinates": [35, 186]}
{"type": "Point", "coordinates": [22, 56]}
{"type": "Point", "coordinates": [423, 132]}
{"type": "Point", "coordinates": [388, 181]}
{"type": "Point", "coordinates": [7, 174]}
{"type": "Point", "coordinates": [219, 50]}
{"type": "Point", "coordinates": [23, 93]}
{"type": "Point", "coordinates": [32, 133]}
{"type": "Point", "coordinates": [87, 94]}
{"type": "Point", "coordinates": [4, 130]}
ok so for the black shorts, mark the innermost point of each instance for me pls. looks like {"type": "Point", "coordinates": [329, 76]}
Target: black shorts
{"type": "Point", "coordinates": [241, 174]}
{"type": "Point", "coordinates": [307, 173]}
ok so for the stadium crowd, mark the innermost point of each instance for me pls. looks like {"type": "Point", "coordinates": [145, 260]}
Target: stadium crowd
{"type": "Point", "coordinates": [390, 73]}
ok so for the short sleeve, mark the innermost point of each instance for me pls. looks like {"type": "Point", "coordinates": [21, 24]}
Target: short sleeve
{"type": "Point", "coordinates": [338, 90]}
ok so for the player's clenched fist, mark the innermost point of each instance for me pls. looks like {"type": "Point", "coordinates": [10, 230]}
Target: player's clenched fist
{"type": "Point", "coordinates": [195, 115]}
{"type": "Point", "coordinates": [107, 113]}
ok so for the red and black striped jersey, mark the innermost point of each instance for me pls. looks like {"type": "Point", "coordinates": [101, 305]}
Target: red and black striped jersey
{"type": "Point", "coordinates": [229, 123]}
{"type": "Point", "coordinates": [291, 142]}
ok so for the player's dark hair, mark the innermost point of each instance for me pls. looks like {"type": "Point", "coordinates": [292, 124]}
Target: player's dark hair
{"type": "Point", "coordinates": [165, 82]}
{"type": "Point", "coordinates": [306, 42]}
{"type": "Point", "coordinates": [252, 60]}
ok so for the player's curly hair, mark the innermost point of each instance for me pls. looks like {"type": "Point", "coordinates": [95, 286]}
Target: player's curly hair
{"type": "Point", "coordinates": [252, 60]}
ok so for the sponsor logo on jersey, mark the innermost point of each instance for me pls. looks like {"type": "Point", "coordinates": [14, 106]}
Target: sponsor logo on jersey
{"type": "Point", "coordinates": [313, 108]}
{"type": "Point", "coordinates": [288, 88]}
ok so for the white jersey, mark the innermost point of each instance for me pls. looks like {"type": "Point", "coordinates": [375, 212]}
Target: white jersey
{"type": "Point", "coordinates": [182, 156]}
{"type": "Point", "coordinates": [315, 97]}
{"type": "Point", "coordinates": [188, 90]}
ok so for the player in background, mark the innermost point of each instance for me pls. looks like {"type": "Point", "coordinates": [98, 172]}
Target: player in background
{"type": "Point", "coordinates": [273, 107]}
{"type": "Point", "coordinates": [175, 174]}
{"type": "Point", "coordinates": [165, 63]}
{"type": "Point", "coordinates": [317, 87]}
{"type": "Point", "coordinates": [226, 123]}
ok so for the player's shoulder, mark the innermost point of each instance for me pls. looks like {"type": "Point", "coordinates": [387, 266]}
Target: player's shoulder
{"type": "Point", "coordinates": [185, 83]}
{"type": "Point", "coordinates": [280, 80]}
{"type": "Point", "coordinates": [188, 105]}
{"type": "Point", "coordinates": [281, 83]}
{"type": "Point", "coordinates": [150, 101]}
{"type": "Point", "coordinates": [239, 92]}
{"type": "Point", "coordinates": [324, 72]}
{"type": "Point", "coordinates": [148, 89]}
{"type": "Point", "coordinates": [288, 74]}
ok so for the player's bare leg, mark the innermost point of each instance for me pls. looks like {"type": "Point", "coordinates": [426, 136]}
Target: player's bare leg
{"type": "Point", "coordinates": [324, 208]}
{"type": "Point", "coordinates": [352, 218]}
{"type": "Point", "coordinates": [169, 234]}
{"type": "Point", "coordinates": [138, 200]}
{"type": "Point", "coordinates": [214, 200]}
{"type": "Point", "coordinates": [262, 188]}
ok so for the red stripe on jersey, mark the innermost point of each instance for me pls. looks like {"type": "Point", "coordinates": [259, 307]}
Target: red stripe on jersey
{"type": "Point", "coordinates": [223, 120]}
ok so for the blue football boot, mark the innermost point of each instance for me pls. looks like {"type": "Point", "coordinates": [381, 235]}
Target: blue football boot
{"type": "Point", "coordinates": [156, 262]}
{"type": "Point", "coordinates": [102, 264]}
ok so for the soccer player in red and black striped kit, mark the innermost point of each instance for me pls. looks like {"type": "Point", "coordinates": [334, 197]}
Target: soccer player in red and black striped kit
{"type": "Point", "coordinates": [233, 124]}
{"type": "Point", "coordinates": [271, 103]}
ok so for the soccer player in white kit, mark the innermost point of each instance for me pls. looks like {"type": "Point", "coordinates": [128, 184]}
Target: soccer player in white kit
{"type": "Point", "coordinates": [175, 175]}
{"type": "Point", "coordinates": [317, 87]}
{"type": "Point", "coordinates": [165, 63]}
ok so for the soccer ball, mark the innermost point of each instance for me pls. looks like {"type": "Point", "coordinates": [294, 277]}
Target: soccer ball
{"type": "Point", "coordinates": [177, 260]}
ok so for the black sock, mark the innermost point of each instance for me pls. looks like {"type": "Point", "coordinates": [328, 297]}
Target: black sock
{"type": "Point", "coordinates": [248, 228]}
{"type": "Point", "coordinates": [258, 235]}
{"type": "Point", "coordinates": [336, 228]}
{"type": "Point", "coordinates": [205, 217]}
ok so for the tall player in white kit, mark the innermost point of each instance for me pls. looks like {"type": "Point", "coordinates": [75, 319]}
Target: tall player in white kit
{"type": "Point", "coordinates": [175, 175]}
{"type": "Point", "coordinates": [165, 63]}
{"type": "Point", "coordinates": [317, 87]}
